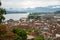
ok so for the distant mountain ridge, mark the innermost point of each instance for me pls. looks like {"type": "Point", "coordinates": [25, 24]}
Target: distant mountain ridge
{"type": "Point", "coordinates": [36, 9]}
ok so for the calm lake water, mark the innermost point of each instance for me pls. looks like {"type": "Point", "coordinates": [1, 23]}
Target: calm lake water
{"type": "Point", "coordinates": [16, 16]}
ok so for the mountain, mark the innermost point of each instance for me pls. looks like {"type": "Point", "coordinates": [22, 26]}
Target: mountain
{"type": "Point", "coordinates": [36, 9]}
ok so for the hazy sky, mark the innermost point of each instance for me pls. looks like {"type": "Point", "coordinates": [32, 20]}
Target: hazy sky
{"type": "Point", "coordinates": [28, 3]}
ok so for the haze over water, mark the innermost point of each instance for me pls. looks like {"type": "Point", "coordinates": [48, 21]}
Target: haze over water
{"type": "Point", "coordinates": [16, 16]}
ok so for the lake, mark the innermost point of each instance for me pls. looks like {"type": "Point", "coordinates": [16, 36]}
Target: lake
{"type": "Point", "coordinates": [16, 16]}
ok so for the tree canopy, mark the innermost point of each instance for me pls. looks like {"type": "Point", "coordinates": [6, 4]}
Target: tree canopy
{"type": "Point", "coordinates": [22, 35]}
{"type": "Point", "coordinates": [0, 3]}
{"type": "Point", "coordinates": [34, 16]}
{"type": "Point", "coordinates": [2, 12]}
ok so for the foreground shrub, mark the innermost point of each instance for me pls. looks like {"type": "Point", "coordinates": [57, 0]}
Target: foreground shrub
{"type": "Point", "coordinates": [21, 33]}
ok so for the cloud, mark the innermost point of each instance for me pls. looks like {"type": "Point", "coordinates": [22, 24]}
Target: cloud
{"type": "Point", "coordinates": [28, 3]}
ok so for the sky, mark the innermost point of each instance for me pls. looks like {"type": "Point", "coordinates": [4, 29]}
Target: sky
{"type": "Point", "coordinates": [28, 3]}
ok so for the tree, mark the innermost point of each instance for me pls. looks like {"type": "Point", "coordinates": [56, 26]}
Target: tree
{"type": "Point", "coordinates": [3, 31]}
{"type": "Point", "coordinates": [21, 34]}
{"type": "Point", "coordinates": [9, 36]}
{"type": "Point", "coordinates": [5, 34]}
{"type": "Point", "coordinates": [42, 37]}
{"type": "Point", "coordinates": [34, 16]}
{"type": "Point", "coordinates": [0, 3]}
{"type": "Point", "coordinates": [18, 38]}
{"type": "Point", "coordinates": [2, 12]}
{"type": "Point", "coordinates": [29, 31]}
